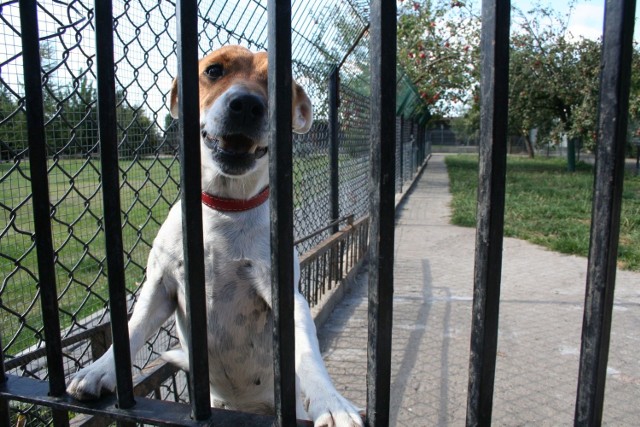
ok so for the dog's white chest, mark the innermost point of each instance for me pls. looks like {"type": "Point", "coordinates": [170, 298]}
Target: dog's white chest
{"type": "Point", "coordinates": [239, 316]}
{"type": "Point", "coordinates": [240, 320]}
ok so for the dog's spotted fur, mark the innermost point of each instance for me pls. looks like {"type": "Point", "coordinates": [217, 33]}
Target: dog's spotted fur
{"type": "Point", "coordinates": [237, 259]}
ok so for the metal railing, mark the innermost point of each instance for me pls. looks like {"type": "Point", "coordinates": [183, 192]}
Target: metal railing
{"type": "Point", "coordinates": [612, 125]}
{"type": "Point", "coordinates": [324, 263]}
{"type": "Point", "coordinates": [75, 184]}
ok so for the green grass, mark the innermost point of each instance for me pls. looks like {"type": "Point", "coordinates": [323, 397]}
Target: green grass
{"type": "Point", "coordinates": [547, 205]}
{"type": "Point", "coordinates": [148, 188]}
{"type": "Point", "coordinates": [78, 238]}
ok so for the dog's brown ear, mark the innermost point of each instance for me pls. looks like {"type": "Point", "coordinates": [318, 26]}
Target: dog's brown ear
{"type": "Point", "coordinates": [173, 99]}
{"type": "Point", "coordinates": [302, 111]}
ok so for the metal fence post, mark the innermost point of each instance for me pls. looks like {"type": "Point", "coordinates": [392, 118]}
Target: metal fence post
{"type": "Point", "coordinates": [41, 201]}
{"type": "Point", "coordinates": [4, 403]}
{"type": "Point", "coordinates": [422, 144]}
{"type": "Point", "coordinates": [491, 192]}
{"type": "Point", "coordinates": [280, 175]}
{"type": "Point", "coordinates": [190, 187]}
{"type": "Point", "coordinates": [334, 156]}
{"type": "Point", "coordinates": [334, 129]}
{"type": "Point", "coordinates": [107, 127]}
{"type": "Point", "coordinates": [414, 144]}
{"type": "Point", "coordinates": [417, 145]}
{"type": "Point", "coordinates": [617, 51]}
{"type": "Point", "coordinates": [382, 196]}
{"type": "Point", "coordinates": [401, 153]}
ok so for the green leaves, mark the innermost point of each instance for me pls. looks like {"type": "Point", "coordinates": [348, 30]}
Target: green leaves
{"type": "Point", "coordinates": [554, 75]}
{"type": "Point", "coordinates": [437, 48]}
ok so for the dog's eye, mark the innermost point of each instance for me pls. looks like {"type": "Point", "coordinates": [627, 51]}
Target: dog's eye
{"type": "Point", "coordinates": [214, 71]}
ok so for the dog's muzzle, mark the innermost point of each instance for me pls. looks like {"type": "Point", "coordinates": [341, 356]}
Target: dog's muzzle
{"type": "Point", "coordinates": [234, 154]}
{"type": "Point", "coordinates": [241, 129]}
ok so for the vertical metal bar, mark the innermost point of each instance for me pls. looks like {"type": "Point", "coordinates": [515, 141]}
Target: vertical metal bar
{"type": "Point", "coordinates": [422, 140]}
{"type": "Point", "coordinates": [356, 248]}
{"type": "Point", "coordinates": [307, 285]}
{"type": "Point", "coordinates": [341, 255]}
{"type": "Point", "coordinates": [325, 269]}
{"type": "Point", "coordinates": [334, 93]}
{"type": "Point", "coordinates": [350, 249]}
{"type": "Point", "coordinates": [334, 156]}
{"type": "Point", "coordinates": [280, 174]}
{"type": "Point", "coordinates": [420, 152]}
{"type": "Point", "coordinates": [107, 128]}
{"type": "Point", "coordinates": [605, 220]}
{"type": "Point", "coordinates": [332, 266]}
{"type": "Point", "coordinates": [316, 283]}
{"type": "Point", "coordinates": [414, 146]}
{"type": "Point", "coordinates": [418, 144]}
{"type": "Point", "coordinates": [401, 153]}
{"type": "Point", "coordinates": [423, 144]}
{"type": "Point", "coordinates": [405, 165]}
{"type": "Point", "coordinates": [407, 143]}
{"type": "Point", "coordinates": [190, 186]}
{"type": "Point", "coordinates": [414, 138]}
{"type": "Point", "coordinates": [382, 209]}
{"type": "Point", "coordinates": [40, 200]}
{"type": "Point", "coordinates": [492, 177]}
{"type": "Point", "coordinates": [5, 418]}
{"type": "Point", "coordinates": [174, 388]}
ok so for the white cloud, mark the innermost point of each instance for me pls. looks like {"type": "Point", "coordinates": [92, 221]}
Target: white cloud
{"type": "Point", "coordinates": [587, 20]}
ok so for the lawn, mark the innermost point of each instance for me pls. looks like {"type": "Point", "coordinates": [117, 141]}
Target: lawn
{"type": "Point", "coordinates": [547, 205]}
{"type": "Point", "coordinates": [148, 189]}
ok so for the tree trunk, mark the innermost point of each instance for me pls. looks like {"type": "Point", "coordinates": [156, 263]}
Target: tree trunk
{"type": "Point", "coordinates": [571, 155]}
{"type": "Point", "coordinates": [529, 146]}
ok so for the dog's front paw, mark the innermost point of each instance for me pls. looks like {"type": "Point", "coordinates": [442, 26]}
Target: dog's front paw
{"type": "Point", "coordinates": [90, 382]}
{"type": "Point", "coordinates": [334, 411]}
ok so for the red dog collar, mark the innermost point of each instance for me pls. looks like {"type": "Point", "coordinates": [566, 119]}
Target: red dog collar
{"type": "Point", "coordinates": [235, 205]}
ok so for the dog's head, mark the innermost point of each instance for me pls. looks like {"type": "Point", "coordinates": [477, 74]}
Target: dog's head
{"type": "Point", "coordinates": [233, 111]}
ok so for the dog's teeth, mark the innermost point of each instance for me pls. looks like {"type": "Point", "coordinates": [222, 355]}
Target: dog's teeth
{"type": "Point", "coordinates": [260, 152]}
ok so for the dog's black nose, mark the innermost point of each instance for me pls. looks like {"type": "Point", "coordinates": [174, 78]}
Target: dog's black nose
{"type": "Point", "coordinates": [246, 108]}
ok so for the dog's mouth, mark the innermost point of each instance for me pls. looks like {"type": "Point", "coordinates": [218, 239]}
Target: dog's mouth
{"type": "Point", "coordinates": [234, 145]}
{"type": "Point", "coordinates": [236, 154]}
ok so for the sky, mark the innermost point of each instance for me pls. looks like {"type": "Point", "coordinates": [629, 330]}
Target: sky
{"type": "Point", "coordinates": [586, 18]}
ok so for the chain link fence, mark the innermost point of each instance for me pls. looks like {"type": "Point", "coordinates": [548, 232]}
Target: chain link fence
{"type": "Point", "coordinates": [326, 34]}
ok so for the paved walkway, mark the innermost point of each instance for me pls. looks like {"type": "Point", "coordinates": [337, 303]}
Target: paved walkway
{"type": "Point", "coordinates": [540, 326]}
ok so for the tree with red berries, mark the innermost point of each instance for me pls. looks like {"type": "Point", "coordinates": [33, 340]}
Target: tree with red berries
{"type": "Point", "coordinates": [438, 48]}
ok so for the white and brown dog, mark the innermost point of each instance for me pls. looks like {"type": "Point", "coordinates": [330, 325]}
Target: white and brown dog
{"type": "Point", "coordinates": [233, 122]}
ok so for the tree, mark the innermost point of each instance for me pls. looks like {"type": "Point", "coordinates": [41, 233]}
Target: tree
{"type": "Point", "coordinates": [13, 127]}
{"type": "Point", "coordinates": [438, 47]}
{"type": "Point", "coordinates": [138, 135]}
{"type": "Point", "coordinates": [554, 79]}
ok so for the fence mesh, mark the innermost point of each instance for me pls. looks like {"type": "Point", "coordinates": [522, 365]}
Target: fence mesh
{"type": "Point", "coordinates": [325, 33]}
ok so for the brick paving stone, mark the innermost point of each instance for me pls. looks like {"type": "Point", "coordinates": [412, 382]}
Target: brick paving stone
{"type": "Point", "coordinates": [542, 299]}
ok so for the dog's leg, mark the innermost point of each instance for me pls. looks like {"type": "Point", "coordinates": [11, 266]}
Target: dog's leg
{"type": "Point", "coordinates": [323, 403]}
{"type": "Point", "coordinates": [152, 309]}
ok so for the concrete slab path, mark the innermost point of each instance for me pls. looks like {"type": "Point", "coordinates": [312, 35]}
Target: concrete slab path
{"type": "Point", "coordinates": [540, 325]}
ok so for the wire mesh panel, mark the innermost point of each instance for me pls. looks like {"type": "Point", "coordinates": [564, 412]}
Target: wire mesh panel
{"type": "Point", "coordinates": [353, 153]}
{"type": "Point", "coordinates": [407, 170]}
{"type": "Point", "coordinates": [325, 34]}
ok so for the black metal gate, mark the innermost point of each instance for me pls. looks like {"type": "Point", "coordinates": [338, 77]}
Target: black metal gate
{"type": "Point", "coordinates": [382, 29]}
{"type": "Point", "coordinates": [612, 125]}
{"type": "Point", "coordinates": [124, 408]}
